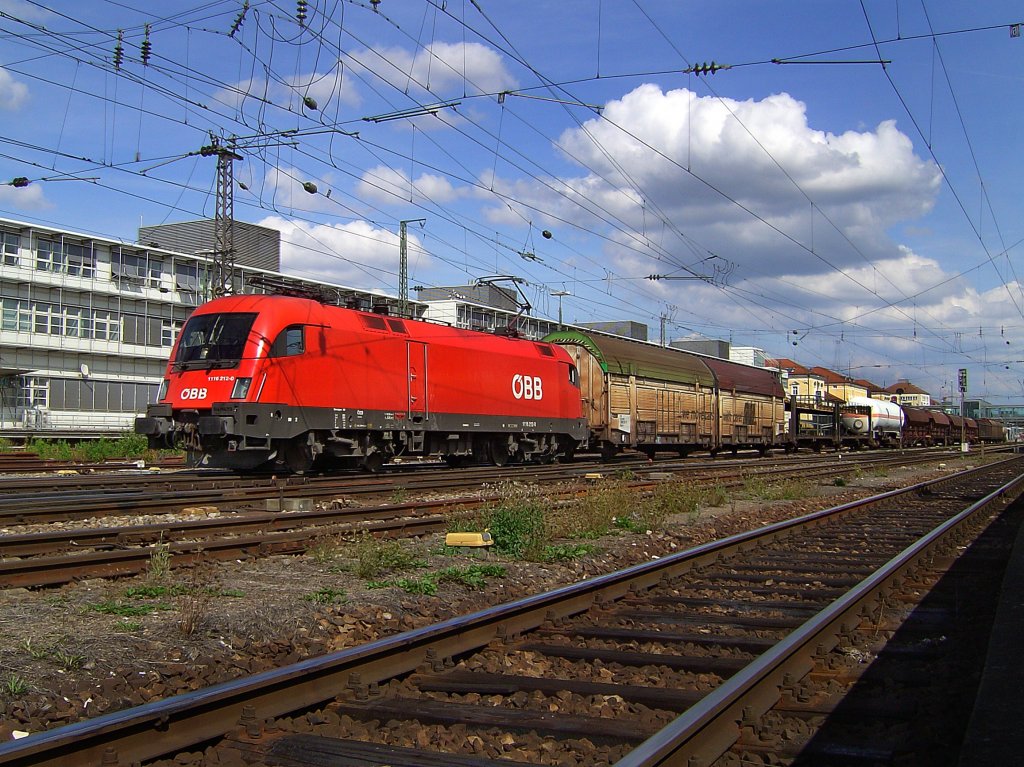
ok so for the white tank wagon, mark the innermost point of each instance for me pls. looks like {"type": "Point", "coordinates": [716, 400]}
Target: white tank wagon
{"type": "Point", "coordinates": [873, 418]}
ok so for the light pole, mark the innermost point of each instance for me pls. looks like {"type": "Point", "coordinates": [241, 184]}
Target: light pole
{"type": "Point", "coordinates": [560, 293]}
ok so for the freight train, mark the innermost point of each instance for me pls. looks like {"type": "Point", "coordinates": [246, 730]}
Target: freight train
{"type": "Point", "coordinates": [281, 381]}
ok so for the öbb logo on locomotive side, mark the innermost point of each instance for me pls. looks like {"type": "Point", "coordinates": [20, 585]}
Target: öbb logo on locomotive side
{"type": "Point", "coordinates": [527, 387]}
{"type": "Point", "coordinates": [193, 393]}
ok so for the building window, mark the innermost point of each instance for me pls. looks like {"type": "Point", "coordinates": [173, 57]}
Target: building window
{"type": "Point", "coordinates": [10, 247]}
{"type": "Point", "coordinates": [169, 330]}
{"type": "Point", "coordinates": [65, 258]}
{"type": "Point", "coordinates": [49, 319]}
{"type": "Point", "coordinates": [76, 323]}
{"type": "Point", "coordinates": [106, 326]}
{"type": "Point", "coordinates": [33, 392]}
{"type": "Point", "coordinates": [15, 315]}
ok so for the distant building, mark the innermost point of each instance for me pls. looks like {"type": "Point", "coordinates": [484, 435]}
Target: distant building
{"type": "Point", "coordinates": [800, 381]}
{"type": "Point", "coordinates": [904, 393]}
{"type": "Point", "coordinates": [707, 346]}
{"type": "Point", "coordinates": [840, 386]}
{"type": "Point", "coordinates": [485, 307]}
{"type": "Point", "coordinates": [255, 246]}
{"type": "Point", "coordinates": [626, 328]}
{"type": "Point", "coordinates": [748, 355]}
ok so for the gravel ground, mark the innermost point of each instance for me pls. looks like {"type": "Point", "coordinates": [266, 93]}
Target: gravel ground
{"type": "Point", "coordinates": [78, 651]}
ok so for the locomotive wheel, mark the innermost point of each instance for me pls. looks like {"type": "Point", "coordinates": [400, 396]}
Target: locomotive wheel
{"type": "Point", "coordinates": [297, 457]}
{"type": "Point", "coordinates": [374, 462]}
{"type": "Point", "coordinates": [499, 452]}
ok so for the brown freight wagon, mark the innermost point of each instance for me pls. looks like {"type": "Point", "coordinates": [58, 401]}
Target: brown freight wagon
{"type": "Point", "coordinates": [652, 398]}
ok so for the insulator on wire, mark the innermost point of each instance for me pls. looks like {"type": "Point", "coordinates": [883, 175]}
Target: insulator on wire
{"type": "Point", "coordinates": [300, 11]}
{"type": "Point", "coordinates": [19, 183]}
{"type": "Point", "coordinates": [119, 50]}
{"type": "Point", "coordinates": [146, 48]}
{"type": "Point", "coordinates": [239, 19]}
{"type": "Point", "coordinates": [706, 68]}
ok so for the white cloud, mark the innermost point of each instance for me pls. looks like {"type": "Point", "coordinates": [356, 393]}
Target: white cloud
{"type": "Point", "coordinates": [30, 197]}
{"type": "Point", "coordinates": [355, 254]}
{"type": "Point", "coordinates": [739, 178]}
{"type": "Point", "coordinates": [447, 70]}
{"type": "Point", "coordinates": [391, 185]}
{"type": "Point", "coordinates": [13, 93]}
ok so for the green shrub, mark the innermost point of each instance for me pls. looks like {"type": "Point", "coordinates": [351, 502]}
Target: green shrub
{"type": "Point", "coordinates": [517, 522]}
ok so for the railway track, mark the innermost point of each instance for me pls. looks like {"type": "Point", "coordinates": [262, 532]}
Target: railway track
{"type": "Point", "coordinates": [41, 500]}
{"type": "Point", "coordinates": [62, 555]}
{"type": "Point", "coordinates": [676, 661]}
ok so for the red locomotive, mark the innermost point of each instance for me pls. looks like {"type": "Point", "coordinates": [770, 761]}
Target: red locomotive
{"type": "Point", "coordinates": [259, 379]}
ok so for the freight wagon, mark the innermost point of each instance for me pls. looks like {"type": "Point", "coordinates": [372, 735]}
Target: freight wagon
{"type": "Point", "coordinates": [651, 398]}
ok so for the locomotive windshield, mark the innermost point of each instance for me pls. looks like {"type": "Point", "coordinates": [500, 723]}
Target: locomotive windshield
{"type": "Point", "coordinates": [214, 340]}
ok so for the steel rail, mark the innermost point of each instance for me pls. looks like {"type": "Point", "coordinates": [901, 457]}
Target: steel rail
{"type": "Point", "coordinates": [708, 729]}
{"type": "Point", "coordinates": [181, 722]}
{"type": "Point", "coordinates": [123, 550]}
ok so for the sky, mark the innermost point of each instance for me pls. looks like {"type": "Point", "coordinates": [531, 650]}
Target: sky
{"type": "Point", "coordinates": [838, 184]}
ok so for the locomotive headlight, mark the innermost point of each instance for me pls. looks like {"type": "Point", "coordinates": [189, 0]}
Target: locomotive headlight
{"type": "Point", "coordinates": [241, 388]}
{"type": "Point", "coordinates": [163, 390]}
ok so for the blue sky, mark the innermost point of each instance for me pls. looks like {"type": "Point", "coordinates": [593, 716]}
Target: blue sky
{"type": "Point", "coordinates": [807, 199]}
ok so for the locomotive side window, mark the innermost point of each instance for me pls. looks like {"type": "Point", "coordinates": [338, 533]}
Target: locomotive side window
{"type": "Point", "coordinates": [214, 339]}
{"type": "Point", "coordinates": [574, 375]}
{"type": "Point", "coordinates": [289, 342]}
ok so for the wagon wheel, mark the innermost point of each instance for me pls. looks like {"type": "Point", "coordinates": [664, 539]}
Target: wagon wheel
{"type": "Point", "coordinates": [608, 451]}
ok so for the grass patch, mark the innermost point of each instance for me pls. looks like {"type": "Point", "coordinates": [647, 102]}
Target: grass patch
{"type": "Point", "coordinates": [159, 563]}
{"type": "Point", "coordinates": [471, 576]}
{"type": "Point", "coordinates": [122, 610]}
{"type": "Point", "coordinates": [326, 596]}
{"type": "Point", "coordinates": [324, 550]}
{"type": "Point", "coordinates": [375, 557]}
{"type": "Point", "coordinates": [786, 490]}
{"type": "Point", "coordinates": [14, 685]}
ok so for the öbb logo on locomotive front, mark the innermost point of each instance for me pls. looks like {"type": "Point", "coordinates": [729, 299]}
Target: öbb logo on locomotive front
{"type": "Point", "coordinates": [193, 393]}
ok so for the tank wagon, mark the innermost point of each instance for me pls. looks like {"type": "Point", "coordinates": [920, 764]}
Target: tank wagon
{"type": "Point", "coordinates": [255, 380]}
{"type": "Point", "coordinates": [883, 423]}
{"type": "Point", "coordinates": [865, 422]}
{"type": "Point", "coordinates": [651, 398]}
